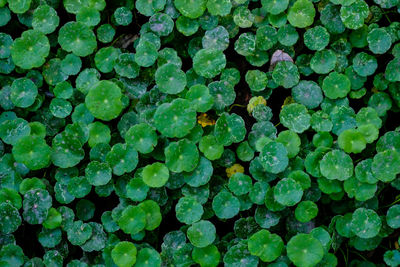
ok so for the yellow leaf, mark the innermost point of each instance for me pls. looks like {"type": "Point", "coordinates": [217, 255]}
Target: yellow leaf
{"type": "Point", "coordinates": [288, 100]}
{"type": "Point", "coordinates": [255, 101]}
{"type": "Point", "coordinates": [234, 169]}
{"type": "Point", "coordinates": [205, 120]}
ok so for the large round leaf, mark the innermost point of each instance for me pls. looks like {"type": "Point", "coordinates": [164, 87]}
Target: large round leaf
{"type": "Point", "coordinates": [30, 50]}
{"type": "Point", "coordinates": [104, 100]}
{"type": "Point", "coordinates": [175, 119]}
{"type": "Point", "coordinates": [77, 38]}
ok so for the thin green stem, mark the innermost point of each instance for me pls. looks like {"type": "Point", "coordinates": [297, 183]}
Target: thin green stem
{"type": "Point", "coordinates": [116, 40]}
{"type": "Point", "coordinates": [344, 256]}
{"type": "Point", "coordinates": [237, 105]}
{"type": "Point", "coordinates": [386, 16]}
{"type": "Point", "coordinates": [359, 255]}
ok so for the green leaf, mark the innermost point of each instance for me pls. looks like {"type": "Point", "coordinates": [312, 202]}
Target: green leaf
{"type": "Point", "coordinates": [336, 85]}
{"type": "Point", "coordinates": [187, 26]}
{"type": "Point", "coordinates": [60, 108]}
{"type": "Point", "coordinates": [243, 17]}
{"type": "Point", "coordinates": [352, 141]}
{"type": "Point", "coordinates": [98, 173]}
{"type": "Point", "coordinates": [392, 257]}
{"type": "Point", "coordinates": [191, 9]}
{"type": "Point", "coordinates": [53, 219]}
{"type": "Point", "coordinates": [353, 15]}
{"type": "Point", "coordinates": [45, 19]}
{"type": "Point", "coordinates": [104, 100]}
{"type": "Point", "coordinates": [237, 254]}
{"type": "Point", "coordinates": [229, 129]}
{"type": "Point", "coordinates": [10, 219]}
{"type": "Point", "coordinates": [188, 210]}
{"type": "Point", "coordinates": [286, 74]}
{"type": "Point", "coordinates": [79, 233]}
{"type": "Point", "coordinates": [12, 130]}
{"type": "Point", "coordinates": [162, 24]}
{"type": "Point", "coordinates": [105, 59]}
{"type": "Point", "coordinates": [36, 206]}
{"type": "Point", "coordinates": [336, 165]}
{"type": "Point", "coordinates": [295, 117]}
{"type": "Point", "coordinates": [6, 42]}
{"type": "Point", "coordinates": [132, 220]}
{"type": "Point", "coordinates": [385, 165]}
{"type": "Point", "coordinates": [365, 223]}
{"type": "Point", "coordinates": [393, 216]}
{"type": "Point", "coordinates": [257, 80]}
{"type": "Point", "coordinates": [149, 8]}
{"type": "Point", "coordinates": [288, 192]}
{"type": "Point", "coordinates": [266, 36]}
{"type": "Point", "coordinates": [301, 14]}
{"type": "Point", "coordinates": [175, 119]}
{"type": "Point", "coordinates": [316, 38]}
{"type": "Point", "coordinates": [136, 189]}
{"type": "Point", "coordinates": [19, 6]}
{"type": "Point", "coordinates": [77, 38]}
{"type": "Point", "coordinates": [218, 7]}
{"type": "Point", "coordinates": [288, 35]}
{"type": "Point", "coordinates": [97, 240]}
{"type": "Point", "coordinates": [200, 97]}
{"type": "Point", "coordinates": [142, 137]}
{"type": "Point", "coordinates": [291, 141]}
{"type": "Point", "coordinates": [210, 147]}
{"type": "Point", "coordinates": [225, 205]}
{"type": "Point", "coordinates": [217, 38]}
{"type": "Point", "coordinates": [126, 66]}
{"type": "Point", "coordinates": [392, 72]}
{"type": "Point", "coordinates": [32, 151]}
{"type": "Point", "coordinates": [50, 238]}
{"type": "Point", "coordinates": [306, 211]}
{"type": "Point", "coordinates": [364, 64]}
{"type": "Point", "coordinates": [305, 250]}
{"type": "Point", "coordinates": [88, 16]}
{"type": "Point", "coordinates": [30, 50]}
{"type": "Point", "coordinates": [274, 157]}
{"type": "Point", "coordinates": [201, 234]}
{"type": "Point", "coordinates": [379, 41]}
{"type": "Point", "coordinates": [201, 175]}
{"type": "Point", "coordinates": [98, 133]}
{"type": "Point", "coordinates": [170, 79]}
{"type": "Point", "coordinates": [275, 7]}
{"type": "Point", "coordinates": [155, 175]}
{"type": "Point", "coordinates": [124, 254]}
{"type": "Point", "coordinates": [122, 16]}
{"type": "Point", "coordinates": [307, 93]}
{"type": "Point", "coordinates": [223, 94]}
{"type": "Point", "coordinates": [79, 186]}
{"type": "Point", "coordinates": [265, 245]}
{"type": "Point", "coordinates": [343, 225]}
{"type": "Point", "coordinates": [153, 214]}
{"type": "Point", "coordinates": [146, 53]}
{"type": "Point", "coordinates": [245, 45]}
{"type": "Point", "coordinates": [239, 184]}
{"type": "Point", "coordinates": [122, 158]}
{"type": "Point", "coordinates": [63, 90]}
{"type": "Point", "coordinates": [12, 255]}
{"type": "Point", "coordinates": [181, 156]}
{"type": "Point", "coordinates": [323, 62]}
{"type": "Point", "coordinates": [209, 62]}
{"type": "Point", "coordinates": [208, 256]}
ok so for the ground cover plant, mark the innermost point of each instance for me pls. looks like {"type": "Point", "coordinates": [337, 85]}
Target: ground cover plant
{"type": "Point", "coordinates": [199, 133]}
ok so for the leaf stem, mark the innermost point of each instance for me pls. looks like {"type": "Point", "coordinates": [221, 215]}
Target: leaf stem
{"type": "Point", "coordinates": [344, 257]}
